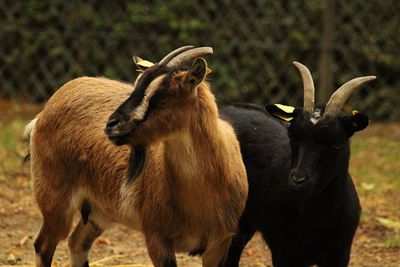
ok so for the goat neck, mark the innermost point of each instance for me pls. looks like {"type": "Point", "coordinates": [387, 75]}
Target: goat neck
{"type": "Point", "coordinates": [201, 139]}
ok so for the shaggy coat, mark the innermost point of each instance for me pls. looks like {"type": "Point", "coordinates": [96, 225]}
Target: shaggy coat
{"type": "Point", "coordinates": [188, 196]}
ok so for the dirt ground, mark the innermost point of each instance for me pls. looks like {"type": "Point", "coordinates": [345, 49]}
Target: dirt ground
{"type": "Point", "coordinates": [20, 219]}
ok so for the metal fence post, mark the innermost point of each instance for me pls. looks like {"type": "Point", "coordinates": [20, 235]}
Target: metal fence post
{"type": "Point", "coordinates": [326, 55]}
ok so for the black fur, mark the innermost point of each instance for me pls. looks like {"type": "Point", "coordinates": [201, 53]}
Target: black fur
{"type": "Point", "coordinates": [95, 226]}
{"type": "Point", "coordinates": [169, 263]}
{"type": "Point", "coordinates": [197, 252]}
{"type": "Point", "coordinates": [45, 256]}
{"type": "Point", "coordinates": [37, 245]}
{"type": "Point", "coordinates": [85, 211]}
{"type": "Point", "coordinates": [26, 158]}
{"type": "Point", "coordinates": [138, 94]}
{"type": "Point", "coordinates": [158, 97]}
{"type": "Point", "coordinates": [312, 222]}
{"type": "Point", "coordinates": [137, 160]}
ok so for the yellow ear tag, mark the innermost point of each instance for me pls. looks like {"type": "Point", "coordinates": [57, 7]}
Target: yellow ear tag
{"type": "Point", "coordinates": [209, 71]}
{"type": "Point", "coordinates": [144, 64]}
{"type": "Point", "coordinates": [287, 111]}
{"type": "Point", "coordinates": [282, 117]}
{"type": "Point", "coordinates": [354, 112]}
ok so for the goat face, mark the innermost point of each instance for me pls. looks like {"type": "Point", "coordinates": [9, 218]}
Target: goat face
{"type": "Point", "coordinates": [159, 105]}
{"type": "Point", "coordinates": [320, 151]}
{"type": "Point", "coordinates": [319, 139]}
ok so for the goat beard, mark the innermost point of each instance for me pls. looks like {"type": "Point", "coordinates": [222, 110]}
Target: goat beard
{"type": "Point", "coordinates": [137, 160]}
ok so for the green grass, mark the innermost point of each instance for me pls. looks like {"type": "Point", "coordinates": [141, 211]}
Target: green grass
{"type": "Point", "coordinates": [12, 147]}
{"type": "Point", "coordinates": [375, 167]}
{"type": "Point", "coordinates": [392, 242]}
{"type": "Point", "coordinates": [375, 161]}
{"type": "Point", "coordinates": [13, 118]}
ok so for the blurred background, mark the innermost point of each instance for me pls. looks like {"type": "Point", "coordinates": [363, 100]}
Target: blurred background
{"type": "Point", "coordinates": [44, 44]}
{"type": "Point", "coordinates": [47, 43]}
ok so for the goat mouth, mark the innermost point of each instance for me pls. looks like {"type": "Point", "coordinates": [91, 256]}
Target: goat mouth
{"type": "Point", "coordinates": [118, 136]}
{"type": "Point", "coordinates": [301, 191]}
{"type": "Point", "coordinates": [120, 140]}
{"type": "Point", "coordinates": [113, 132]}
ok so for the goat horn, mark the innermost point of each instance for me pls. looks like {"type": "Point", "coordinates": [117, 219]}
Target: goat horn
{"type": "Point", "coordinates": [174, 53]}
{"type": "Point", "coordinates": [308, 85]}
{"type": "Point", "coordinates": [341, 95]}
{"type": "Point", "coordinates": [189, 55]}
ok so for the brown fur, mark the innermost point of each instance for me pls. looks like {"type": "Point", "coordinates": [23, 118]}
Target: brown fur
{"type": "Point", "coordinates": [190, 194]}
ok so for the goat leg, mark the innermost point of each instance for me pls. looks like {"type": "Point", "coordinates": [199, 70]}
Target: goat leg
{"type": "Point", "coordinates": [216, 253]}
{"type": "Point", "coordinates": [80, 242]}
{"type": "Point", "coordinates": [161, 250]}
{"type": "Point", "coordinates": [239, 241]}
{"type": "Point", "coordinates": [53, 230]}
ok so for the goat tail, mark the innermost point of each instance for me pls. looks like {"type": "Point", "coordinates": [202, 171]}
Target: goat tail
{"type": "Point", "coordinates": [27, 135]}
{"type": "Point", "coordinates": [29, 128]}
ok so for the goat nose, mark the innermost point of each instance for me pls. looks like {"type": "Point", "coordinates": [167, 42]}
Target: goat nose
{"type": "Point", "coordinates": [299, 179]}
{"type": "Point", "coordinates": [112, 123]}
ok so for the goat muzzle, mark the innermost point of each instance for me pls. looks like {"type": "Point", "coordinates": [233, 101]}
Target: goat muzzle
{"type": "Point", "coordinates": [118, 131]}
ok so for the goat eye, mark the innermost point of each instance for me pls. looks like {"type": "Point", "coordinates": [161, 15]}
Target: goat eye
{"type": "Point", "coordinates": [338, 146]}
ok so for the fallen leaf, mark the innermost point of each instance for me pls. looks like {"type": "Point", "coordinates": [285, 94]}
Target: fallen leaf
{"type": "Point", "coordinates": [103, 241]}
{"type": "Point", "coordinates": [368, 186]}
{"type": "Point", "coordinates": [391, 224]}
{"type": "Point", "coordinates": [11, 259]}
{"type": "Point", "coordinates": [23, 240]}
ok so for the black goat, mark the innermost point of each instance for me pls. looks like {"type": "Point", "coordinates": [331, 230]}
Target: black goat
{"type": "Point", "coordinates": [301, 196]}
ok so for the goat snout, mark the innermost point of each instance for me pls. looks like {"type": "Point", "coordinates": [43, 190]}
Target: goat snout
{"type": "Point", "coordinates": [116, 127]}
{"type": "Point", "coordinates": [113, 127]}
{"type": "Point", "coordinates": [297, 178]}
{"type": "Point", "coordinates": [112, 123]}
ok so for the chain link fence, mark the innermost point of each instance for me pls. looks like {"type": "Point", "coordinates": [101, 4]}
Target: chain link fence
{"type": "Point", "coordinates": [47, 43]}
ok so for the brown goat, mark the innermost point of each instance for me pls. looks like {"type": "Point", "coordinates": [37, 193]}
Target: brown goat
{"type": "Point", "coordinates": [186, 195]}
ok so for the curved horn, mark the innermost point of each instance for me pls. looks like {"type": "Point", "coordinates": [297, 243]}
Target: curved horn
{"type": "Point", "coordinates": [174, 53]}
{"type": "Point", "coordinates": [308, 85]}
{"type": "Point", "coordinates": [189, 55]}
{"type": "Point", "coordinates": [341, 95]}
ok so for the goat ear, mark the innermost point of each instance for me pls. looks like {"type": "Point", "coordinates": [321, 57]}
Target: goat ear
{"type": "Point", "coordinates": [282, 112]}
{"type": "Point", "coordinates": [142, 64]}
{"type": "Point", "coordinates": [355, 123]}
{"type": "Point", "coordinates": [196, 74]}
